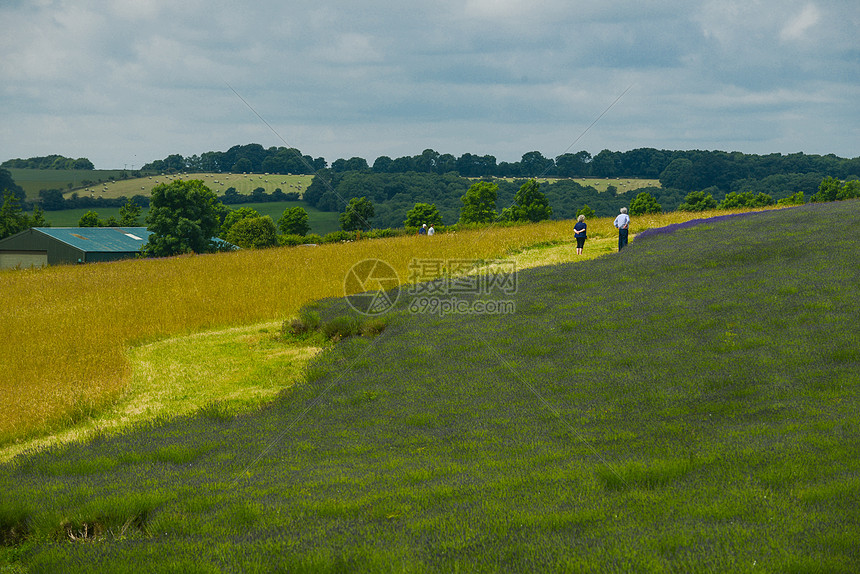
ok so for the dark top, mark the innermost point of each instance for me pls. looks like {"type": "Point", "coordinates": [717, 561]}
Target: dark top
{"type": "Point", "coordinates": [579, 229]}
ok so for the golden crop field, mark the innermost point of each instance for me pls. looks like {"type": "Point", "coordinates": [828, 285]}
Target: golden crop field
{"type": "Point", "coordinates": [67, 329]}
{"type": "Point", "coordinates": [217, 182]}
{"type": "Point", "coordinates": [621, 184]}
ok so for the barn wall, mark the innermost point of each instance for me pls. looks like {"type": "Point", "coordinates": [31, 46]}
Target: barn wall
{"type": "Point", "coordinates": [30, 240]}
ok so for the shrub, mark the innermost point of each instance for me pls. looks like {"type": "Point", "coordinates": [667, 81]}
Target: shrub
{"type": "Point", "coordinates": [307, 321]}
{"type": "Point", "coordinates": [735, 200]}
{"type": "Point", "coordinates": [698, 201]}
{"type": "Point", "coordinates": [234, 216]}
{"type": "Point", "coordinates": [423, 213]}
{"type": "Point", "coordinates": [795, 199]}
{"type": "Point", "coordinates": [290, 240]}
{"type": "Point", "coordinates": [338, 236]}
{"type": "Point", "coordinates": [373, 326]}
{"type": "Point", "coordinates": [294, 221]}
{"type": "Point", "coordinates": [253, 232]}
{"type": "Point", "coordinates": [645, 203]}
{"type": "Point", "coordinates": [850, 190]}
{"type": "Point", "coordinates": [828, 190]}
{"type": "Point", "coordinates": [341, 327]}
{"type": "Point", "coordinates": [380, 233]}
{"type": "Point", "coordinates": [586, 211]}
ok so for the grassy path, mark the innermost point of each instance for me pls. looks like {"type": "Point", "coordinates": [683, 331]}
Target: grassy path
{"type": "Point", "coordinates": [234, 370]}
{"type": "Point", "coordinates": [238, 368]}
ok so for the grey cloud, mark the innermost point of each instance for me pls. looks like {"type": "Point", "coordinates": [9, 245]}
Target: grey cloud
{"type": "Point", "coordinates": [117, 80]}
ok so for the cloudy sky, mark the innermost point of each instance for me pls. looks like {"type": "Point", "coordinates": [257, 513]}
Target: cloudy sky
{"type": "Point", "coordinates": [124, 82]}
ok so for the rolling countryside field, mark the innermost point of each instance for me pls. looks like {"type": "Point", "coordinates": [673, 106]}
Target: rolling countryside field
{"type": "Point", "coordinates": [108, 183]}
{"type": "Point", "coordinates": [621, 184]}
{"type": "Point", "coordinates": [33, 180]}
{"type": "Point", "coordinates": [688, 404]}
{"type": "Point", "coordinates": [217, 182]}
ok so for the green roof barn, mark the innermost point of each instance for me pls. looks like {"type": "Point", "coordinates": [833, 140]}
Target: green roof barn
{"type": "Point", "coordinates": [40, 246]}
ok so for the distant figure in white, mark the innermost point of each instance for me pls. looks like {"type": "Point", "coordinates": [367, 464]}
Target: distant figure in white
{"type": "Point", "coordinates": [622, 222]}
{"type": "Point", "coordinates": [431, 231]}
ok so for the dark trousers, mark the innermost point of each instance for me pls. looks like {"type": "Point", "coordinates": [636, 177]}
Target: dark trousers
{"type": "Point", "coordinates": [622, 238]}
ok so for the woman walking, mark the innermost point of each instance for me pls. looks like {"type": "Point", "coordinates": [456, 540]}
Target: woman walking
{"type": "Point", "coordinates": [579, 233]}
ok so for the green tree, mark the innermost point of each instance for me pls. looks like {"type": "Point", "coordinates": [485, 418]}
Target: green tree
{"type": "Point", "coordinates": [828, 190]}
{"type": "Point", "coordinates": [7, 183]}
{"type": "Point", "coordinates": [534, 164]}
{"type": "Point", "coordinates": [698, 201]}
{"type": "Point", "coordinates": [762, 199]}
{"type": "Point", "coordinates": [849, 190]}
{"type": "Point", "coordinates": [90, 219]}
{"type": "Point", "coordinates": [586, 211]}
{"type": "Point", "coordinates": [38, 218]}
{"type": "Point", "coordinates": [645, 203]}
{"type": "Point", "coordinates": [52, 199]}
{"type": "Point", "coordinates": [605, 164]}
{"type": "Point", "coordinates": [573, 164]}
{"type": "Point", "coordinates": [530, 204]}
{"type": "Point", "coordinates": [234, 216]}
{"type": "Point", "coordinates": [479, 203]}
{"type": "Point", "coordinates": [12, 218]}
{"type": "Point", "coordinates": [253, 233]}
{"type": "Point", "coordinates": [129, 213]}
{"type": "Point", "coordinates": [184, 216]}
{"type": "Point", "coordinates": [294, 221]}
{"type": "Point", "coordinates": [243, 165]}
{"type": "Point", "coordinates": [678, 174]}
{"type": "Point", "coordinates": [423, 213]}
{"type": "Point", "coordinates": [794, 199]}
{"type": "Point", "coordinates": [357, 215]}
{"type": "Point", "coordinates": [734, 200]}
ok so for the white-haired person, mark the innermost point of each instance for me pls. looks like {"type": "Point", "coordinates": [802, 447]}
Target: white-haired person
{"type": "Point", "coordinates": [580, 233]}
{"type": "Point", "coordinates": [622, 222]}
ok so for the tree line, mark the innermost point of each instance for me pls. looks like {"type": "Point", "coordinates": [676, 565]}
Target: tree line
{"type": "Point", "coordinates": [49, 162]}
{"type": "Point", "coordinates": [685, 170]}
{"type": "Point", "coordinates": [186, 216]}
{"type": "Point", "coordinates": [394, 194]}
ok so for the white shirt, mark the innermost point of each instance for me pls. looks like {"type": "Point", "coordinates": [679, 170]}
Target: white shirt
{"type": "Point", "coordinates": [431, 231]}
{"type": "Point", "coordinates": [622, 221]}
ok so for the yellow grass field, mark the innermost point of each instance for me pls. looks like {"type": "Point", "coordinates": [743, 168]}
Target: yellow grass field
{"type": "Point", "coordinates": [67, 330]}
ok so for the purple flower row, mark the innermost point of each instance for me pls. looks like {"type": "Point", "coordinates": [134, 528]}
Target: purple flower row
{"type": "Point", "coordinates": [653, 231]}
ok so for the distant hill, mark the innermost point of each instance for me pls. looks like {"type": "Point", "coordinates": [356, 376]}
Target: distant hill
{"type": "Point", "coordinates": [49, 162]}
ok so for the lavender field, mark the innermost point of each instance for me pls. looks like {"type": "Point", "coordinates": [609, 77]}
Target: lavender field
{"type": "Point", "coordinates": [688, 404]}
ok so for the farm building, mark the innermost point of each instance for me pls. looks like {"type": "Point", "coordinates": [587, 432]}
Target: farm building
{"type": "Point", "coordinates": [40, 246]}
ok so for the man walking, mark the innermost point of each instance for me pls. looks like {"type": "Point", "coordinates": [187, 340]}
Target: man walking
{"type": "Point", "coordinates": [622, 222]}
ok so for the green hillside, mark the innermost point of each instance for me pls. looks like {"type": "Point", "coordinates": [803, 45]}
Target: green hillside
{"type": "Point", "coordinates": [321, 222]}
{"type": "Point", "coordinates": [34, 180]}
{"type": "Point", "coordinates": [113, 183]}
{"type": "Point", "coordinates": [686, 405]}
